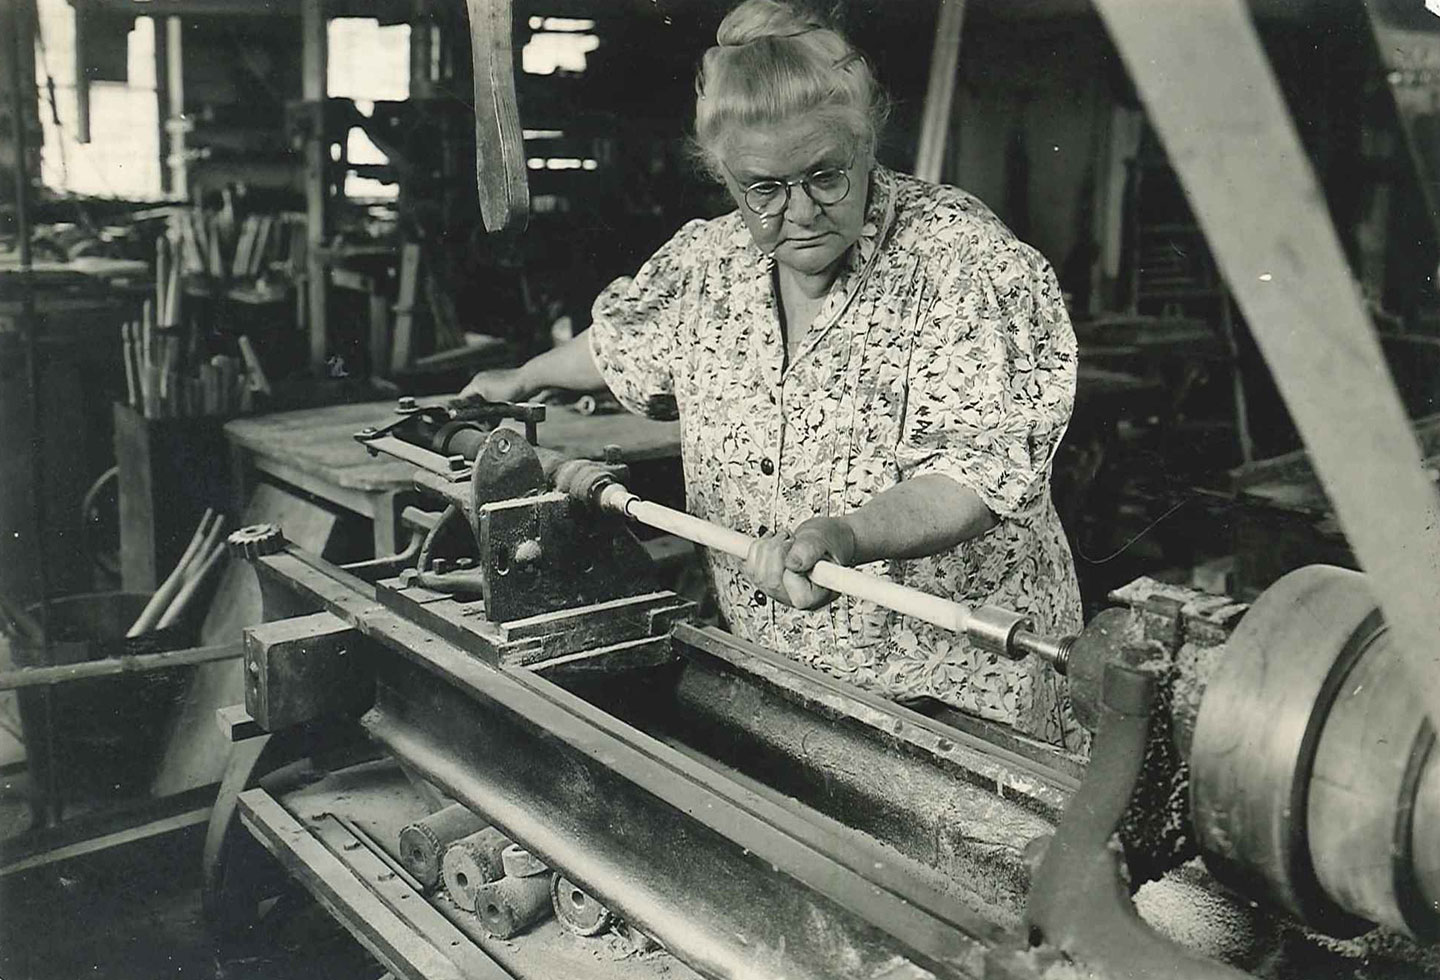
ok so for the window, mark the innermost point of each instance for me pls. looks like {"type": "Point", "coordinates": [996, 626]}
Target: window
{"type": "Point", "coordinates": [367, 63]}
{"type": "Point", "coordinates": [122, 159]}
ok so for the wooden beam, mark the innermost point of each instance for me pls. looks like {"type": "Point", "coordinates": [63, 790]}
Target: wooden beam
{"type": "Point", "coordinates": [387, 11]}
{"type": "Point", "coordinates": [200, 8]}
{"type": "Point", "coordinates": [106, 828]}
{"type": "Point", "coordinates": [82, 80]}
{"type": "Point", "coordinates": [1202, 74]}
{"type": "Point", "coordinates": [314, 50]}
{"type": "Point", "coordinates": [940, 92]}
{"type": "Point", "coordinates": [175, 158]}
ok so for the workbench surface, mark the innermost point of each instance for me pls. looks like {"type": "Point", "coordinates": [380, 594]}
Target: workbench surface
{"type": "Point", "coordinates": [321, 441]}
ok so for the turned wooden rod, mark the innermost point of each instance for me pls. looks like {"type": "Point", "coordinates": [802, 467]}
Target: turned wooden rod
{"type": "Point", "coordinates": [944, 613]}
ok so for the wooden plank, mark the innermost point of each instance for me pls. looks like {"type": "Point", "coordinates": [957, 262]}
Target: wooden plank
{"type": "Point", "coordinates": [120, 838]}
{"type": "Point", "coordinates": [320, 443]}
{"type": "Point", "coordinates": [101, 830]}
{"type": "Point", "coordinates": [139, 566]}
{"type": "Point", "coordinates": [1202, 74]}
{"type": "Point", "coordinates": [388, 879]}
{"type": "Point", "coordinates": [499, 153]}
{"type": "Point", "coordinates": [356, 501]}
{"type": "Point", "coordinates": [403, 343]}
{"type": "Point", "coordinates": [367, 918]}
{"type": "Point", "coordinates": [235, 723]}
{"type": "Point", "coordinates": [378, 345]}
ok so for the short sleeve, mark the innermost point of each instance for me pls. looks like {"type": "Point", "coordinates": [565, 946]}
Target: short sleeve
{"type": "Point", "coordinates": [991, 382]}
{"type": "Point", "coordinates": [637, 322]}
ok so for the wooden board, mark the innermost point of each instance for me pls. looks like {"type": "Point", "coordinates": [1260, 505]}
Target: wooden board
{"type": "Point", "coordinates": [321, 441]}
{"type": "Point", "coordinates": [500, 155]}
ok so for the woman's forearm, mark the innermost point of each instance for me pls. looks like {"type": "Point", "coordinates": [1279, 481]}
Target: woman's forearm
{"type": "Point", "coordinates": [922, 516]}
{"type": "Point", "coordinates": [571, 365]}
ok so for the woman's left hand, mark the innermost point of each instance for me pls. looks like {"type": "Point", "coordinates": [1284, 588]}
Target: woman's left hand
{"type": "Point", "coordinates": [778, 563]}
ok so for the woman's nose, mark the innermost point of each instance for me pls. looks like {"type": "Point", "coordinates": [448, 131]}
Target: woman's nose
{"type": "Point", "coordinates": [801, 208]}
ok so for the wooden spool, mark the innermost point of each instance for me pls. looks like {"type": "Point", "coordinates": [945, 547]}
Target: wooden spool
{"type": "Point", "coordinates": [471, 863]}
{"type": "Point", "coordinates": [511, 905]}
{"type": "Point", "coordinates": [423, 842]}
{"type": "Point", "coordinates": [577, 910]}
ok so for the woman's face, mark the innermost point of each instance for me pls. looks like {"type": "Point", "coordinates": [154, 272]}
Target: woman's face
{"type": "Point", "coordinates": [806, 237]}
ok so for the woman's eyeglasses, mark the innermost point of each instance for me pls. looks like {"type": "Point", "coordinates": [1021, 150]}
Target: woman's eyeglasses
{"type": "Point", "coordinates": [768, 198]}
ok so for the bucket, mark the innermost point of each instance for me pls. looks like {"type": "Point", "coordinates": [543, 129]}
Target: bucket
{"type": "Point", "coordinates": [106, 733]}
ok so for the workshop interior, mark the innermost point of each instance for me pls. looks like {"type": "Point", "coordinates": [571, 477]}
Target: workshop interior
{"type": "Point", "coordinates": [311, 668]}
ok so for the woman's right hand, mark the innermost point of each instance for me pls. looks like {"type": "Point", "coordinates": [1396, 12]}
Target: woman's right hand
{"type": "Point", "coordinates": [497, 385]}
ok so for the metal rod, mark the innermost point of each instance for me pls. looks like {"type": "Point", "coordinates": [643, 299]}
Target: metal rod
{"type": "Point", "coordinates": [22, 35]}
{"type": "Point", "coordinates": [932, 609]}
{"type": "Point", "coordinates": [11, 680]}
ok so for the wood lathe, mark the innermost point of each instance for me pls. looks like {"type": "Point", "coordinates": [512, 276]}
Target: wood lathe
{"type": "Point", "coordinates": [519, 720]}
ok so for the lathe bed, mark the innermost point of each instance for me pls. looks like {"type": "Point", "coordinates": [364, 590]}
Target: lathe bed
{"type": "Point", "coordinates": [544, 696]}
{"type": "Point", "coordinates": [754, 815]}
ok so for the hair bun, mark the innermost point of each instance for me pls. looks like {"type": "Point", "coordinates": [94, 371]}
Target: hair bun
{"type": "Point", "coordinates": [756, 19]}
{"type": "Point", "coordinates": [779, 60]}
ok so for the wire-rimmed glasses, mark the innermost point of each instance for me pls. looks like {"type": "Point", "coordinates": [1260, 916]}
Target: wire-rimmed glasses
{"type": "Point", "coordinates": [770, 197]}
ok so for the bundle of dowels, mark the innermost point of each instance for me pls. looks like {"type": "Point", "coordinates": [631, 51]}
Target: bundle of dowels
{"type": "Point", "coordinates": [165, 378]}
{"type": "Point", "coordinates": [177, 592]}
{"type": "Point", "coordinates": [214, 244]}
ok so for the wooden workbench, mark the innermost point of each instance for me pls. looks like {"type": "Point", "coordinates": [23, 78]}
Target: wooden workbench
{"type": "Point", "coordinates": [315, 451]}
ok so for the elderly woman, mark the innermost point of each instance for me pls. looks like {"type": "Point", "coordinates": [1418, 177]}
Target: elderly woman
{"type": "Point", "coordinates": [867, 367]}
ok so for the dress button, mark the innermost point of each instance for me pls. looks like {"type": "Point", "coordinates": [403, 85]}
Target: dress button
{"type": "Point", "coordinates": [760, 598]}
{"type": "Point", "coordinates": [767, 466]}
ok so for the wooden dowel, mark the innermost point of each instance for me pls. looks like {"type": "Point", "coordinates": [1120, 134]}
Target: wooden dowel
{"type": "Point", "coordinates": [162, 280]}
{"type": "Point", "coordinates": [253, 367]}
{"type": "Point", "coordinates": [131, 384]}
{"type": "Point", "coordinates": [932, 609]}
{"type": "Point", "coordinates": [191, 586]}
{"type": "Point", "coordinates": [158, 603]}
{"type": "Point", "coordinates": [210, 542]}
{"type": "Point", "coordinates": [172, 296]}
{"type": "Point", "coordinates": [11, 680]}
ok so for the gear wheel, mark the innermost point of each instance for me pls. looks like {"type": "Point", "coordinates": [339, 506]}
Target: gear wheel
{"type": "Point", "coordinates": [256, 540]}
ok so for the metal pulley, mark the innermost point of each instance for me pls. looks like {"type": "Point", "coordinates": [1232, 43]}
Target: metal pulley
{"type": "Point", "coordinates": [1314, 777]}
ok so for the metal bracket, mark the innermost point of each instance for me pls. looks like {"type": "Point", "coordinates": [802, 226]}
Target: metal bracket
{"type": "Point", "coordinates": [537, 558]}
{"type": "Point", "coordinates": [1079, 901]}
{"type": "Point", "coordinates": [440, 437]}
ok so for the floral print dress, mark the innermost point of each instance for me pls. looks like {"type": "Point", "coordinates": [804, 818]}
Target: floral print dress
{"type": "Point", "coordinates": [943, 346]}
